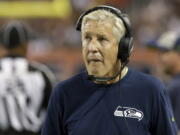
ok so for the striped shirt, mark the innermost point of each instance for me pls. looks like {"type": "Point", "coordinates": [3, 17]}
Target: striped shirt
{"type": "Point", "coordinates": [24, 93]}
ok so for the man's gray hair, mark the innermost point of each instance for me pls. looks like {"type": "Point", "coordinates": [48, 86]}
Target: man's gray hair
{"type": "Point", "coordinates": [103, 15]}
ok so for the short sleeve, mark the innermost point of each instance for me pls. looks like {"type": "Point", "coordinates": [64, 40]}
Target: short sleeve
{"type": "Point", "coordinates": [174, 93]}
{"type": "Point", "coordinates": [163, 122]}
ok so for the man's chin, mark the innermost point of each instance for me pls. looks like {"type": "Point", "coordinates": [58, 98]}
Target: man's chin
{"type": "Point", "coordinates": [95, 73]}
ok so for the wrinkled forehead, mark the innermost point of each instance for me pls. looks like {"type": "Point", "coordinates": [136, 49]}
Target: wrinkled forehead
{"type": "Point", "coordinates": [98, 28]}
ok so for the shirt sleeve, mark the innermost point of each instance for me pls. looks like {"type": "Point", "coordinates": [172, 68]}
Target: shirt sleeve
{"type": "Point", "coordinates": [53, 121]}
{"type": "Point", "coordinates": [175, 100]}
{"type": "Point", "coordinates": [163, 122]}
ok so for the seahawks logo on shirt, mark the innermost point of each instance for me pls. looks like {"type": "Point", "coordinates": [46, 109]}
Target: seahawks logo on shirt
{"type": "Point", "coordinates": [129, 113]}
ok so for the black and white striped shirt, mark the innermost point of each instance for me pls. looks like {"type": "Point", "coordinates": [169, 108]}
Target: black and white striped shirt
{"type": "Point", "coordinates": [24, 93]}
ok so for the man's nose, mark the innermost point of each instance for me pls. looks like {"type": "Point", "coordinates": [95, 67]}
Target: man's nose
{"type": "Point", "coordinates": [93, 45]}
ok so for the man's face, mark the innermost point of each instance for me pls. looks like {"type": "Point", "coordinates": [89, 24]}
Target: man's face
{"type": "Point", "coordinates": [99, 48]}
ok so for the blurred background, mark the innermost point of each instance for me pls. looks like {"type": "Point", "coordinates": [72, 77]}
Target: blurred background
{"type": "Point", "coordinates": [56, 43]}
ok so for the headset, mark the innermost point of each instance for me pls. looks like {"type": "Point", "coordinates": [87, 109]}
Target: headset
{"type": "Point", "coordinates": [126, 42]}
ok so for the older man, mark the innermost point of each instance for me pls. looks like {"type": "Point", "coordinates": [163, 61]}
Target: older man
{"type": "Point", "coordinates": [108, 98]}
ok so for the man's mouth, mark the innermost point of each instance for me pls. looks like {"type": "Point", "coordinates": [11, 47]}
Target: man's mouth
{"type": "Point", "coordinates": [94, 60]}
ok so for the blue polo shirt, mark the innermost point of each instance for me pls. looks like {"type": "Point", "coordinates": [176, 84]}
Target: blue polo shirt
{"type": "Point", "coordinates": [135, 105]}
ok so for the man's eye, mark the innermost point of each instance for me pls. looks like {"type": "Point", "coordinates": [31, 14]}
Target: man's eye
{"type": "Point", "coordinates": [102, 39]}
{"type": "Point", "coordinates": [88, 37]}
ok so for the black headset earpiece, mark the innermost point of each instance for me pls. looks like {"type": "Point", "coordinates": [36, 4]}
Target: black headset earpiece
{"type": "Point", "coordinates": [126, 42]}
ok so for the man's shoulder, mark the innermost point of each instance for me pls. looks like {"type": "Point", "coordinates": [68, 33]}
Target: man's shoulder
{"type": "Point", "coordinates": [147, 85]}
{"type": "Point", "coordinates": [46, 72]}
{"type": "Point", "coordinates": [36, 66]}
{"type": "Point", "coordinates": [144, 76]}
{"type": "Point", "coordinates": [71, 83]}
{"type": "Point", "coordinates": [146, 80]}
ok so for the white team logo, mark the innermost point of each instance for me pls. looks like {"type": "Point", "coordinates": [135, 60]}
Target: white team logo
{"type": "Point", "coordinates": [128, 112]}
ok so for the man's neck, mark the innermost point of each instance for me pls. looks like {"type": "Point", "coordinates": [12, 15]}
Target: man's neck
{"type": "Point", "coordinates": [124, 72]}
{"type": "Point", "coordinates": [119, 77]}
